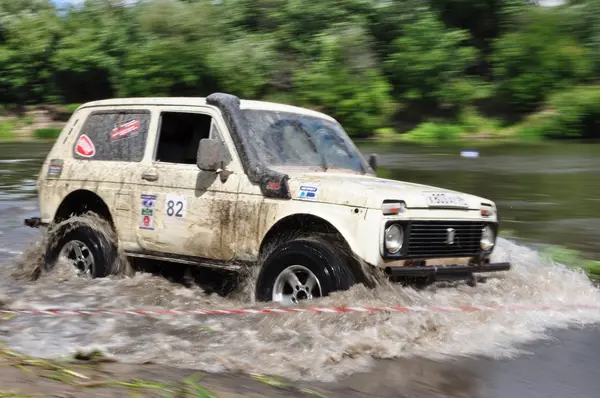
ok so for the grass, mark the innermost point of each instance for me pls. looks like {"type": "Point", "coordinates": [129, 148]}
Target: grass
{"type": "Point", "coordinates": [7, 129]}
{"type": "Point", "coordinates": [573, 259]}
{"type": "Point", "coordinates": [85, 373]}
{"type": "Point", "coordinates": [71, 108]}
{"type": "Point", "coordinates": [279, 383]}
{"type": "Point", "coordinates": [77, 375]}
{"type": "Point", "coordinates": [47, 133]}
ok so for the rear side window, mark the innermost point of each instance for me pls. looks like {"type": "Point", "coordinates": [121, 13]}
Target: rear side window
{"type": "Point", "coordinates": [113, 135]}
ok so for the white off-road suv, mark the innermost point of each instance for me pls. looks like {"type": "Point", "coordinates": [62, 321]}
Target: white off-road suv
{"type": "Point", "coordinates": [226, 183]}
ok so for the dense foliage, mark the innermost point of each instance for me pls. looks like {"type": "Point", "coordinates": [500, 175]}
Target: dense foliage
{"type": "Point", "coordinates": [369, 63]}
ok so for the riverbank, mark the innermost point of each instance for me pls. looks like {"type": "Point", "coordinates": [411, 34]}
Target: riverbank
{"type": "Point", "coordinates": [31, 123]}
{"type": "Point", "coordinates": [93, 375]}
{"type": "Point", "coordinates": [45, 122]}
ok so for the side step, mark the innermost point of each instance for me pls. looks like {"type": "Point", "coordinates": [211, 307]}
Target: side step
{"type": "Point", "coordinates": [188, 261]}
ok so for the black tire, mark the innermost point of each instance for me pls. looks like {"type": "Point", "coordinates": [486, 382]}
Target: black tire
{"type": "Point", "coordinates": [101, 247]}
{"type": "Point", "coordinates": [331, 268]}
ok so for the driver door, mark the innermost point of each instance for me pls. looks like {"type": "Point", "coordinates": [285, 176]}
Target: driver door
{"type": "Point", "coordinates": [182, 210]}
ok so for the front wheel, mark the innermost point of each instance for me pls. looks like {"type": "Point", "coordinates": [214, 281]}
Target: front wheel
{"type": "Point", "coordinates": [84, 245]}
{"type": "Point", "coordinates": [303, 269]}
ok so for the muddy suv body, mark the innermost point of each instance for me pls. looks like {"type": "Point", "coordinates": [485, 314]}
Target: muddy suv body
{"type": "Point", "coordinates": [221, 182]}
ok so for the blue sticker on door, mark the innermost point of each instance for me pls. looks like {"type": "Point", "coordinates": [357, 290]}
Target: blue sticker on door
{"type": "Point", "coordinates": [308, 192]}
{"type": "Point", "coordinates": [148, 203]}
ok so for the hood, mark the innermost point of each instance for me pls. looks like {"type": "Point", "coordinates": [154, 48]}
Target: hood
{"type": "Point", "coordinates": [367, 191]}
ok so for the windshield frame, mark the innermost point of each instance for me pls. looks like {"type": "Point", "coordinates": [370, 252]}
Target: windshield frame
{"type": "Point", "coordinates": [272, 183]}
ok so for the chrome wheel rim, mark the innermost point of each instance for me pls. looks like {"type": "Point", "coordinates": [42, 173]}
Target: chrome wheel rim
{"type": "Point", "coordinates": [294, 284]}
{"type": "Point", "coordinates": [79, 256]}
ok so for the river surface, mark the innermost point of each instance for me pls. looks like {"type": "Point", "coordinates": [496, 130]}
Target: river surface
{"type": "Point", "coordinates": [546, 194]}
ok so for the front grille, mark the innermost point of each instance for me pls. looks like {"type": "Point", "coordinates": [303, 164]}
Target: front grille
{"type": "Point", "coordinates": [428, 239]}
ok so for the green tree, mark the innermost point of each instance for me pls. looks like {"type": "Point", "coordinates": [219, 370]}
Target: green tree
{"type": "Point", "coordinates": [427, 64]}
{"type": "Point", "coordinates": [539, 58]}
{"type": "Point", "coordinates": [171, 50]}
{"type": "Point", "coordinates": [344, 81]}
{"type": "Point", "coordinates": [25, 67]}
{"type": "Point", "coordinates": [89, 56]}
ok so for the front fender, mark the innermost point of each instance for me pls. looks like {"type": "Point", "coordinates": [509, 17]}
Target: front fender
{"type": "Point", "coordinates": [359, 228]}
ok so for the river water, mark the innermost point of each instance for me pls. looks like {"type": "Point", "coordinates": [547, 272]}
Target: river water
{"type": "Point", "coordinates": [546, 194]}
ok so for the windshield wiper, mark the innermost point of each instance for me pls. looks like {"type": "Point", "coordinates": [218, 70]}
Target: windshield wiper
{"type": "Point", "coordinates": [314, 146]}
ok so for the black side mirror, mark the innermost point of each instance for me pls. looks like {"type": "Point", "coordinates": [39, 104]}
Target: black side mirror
{"type": "Point", "coordinates": [373, 161]}
{"type": "Point", "coordinates": [209, 155]}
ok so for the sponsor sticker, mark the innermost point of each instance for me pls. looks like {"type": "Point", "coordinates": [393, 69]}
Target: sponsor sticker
{"type": "Point", "coordinates": [125, 130]}
{"type": "Point", "coordinates": [148, 203]}
{"type": "Point", "coordinates": [85, 147]}
{"type": "Point", "coordinates": [175, 206]}
{"type": "Point", "coordinates": [443, 199]}
{"type": "Point", "coordinates": [308, 192]}
{"type": "Point", "coordinates": [55, 167]}
{"type": "Point", "coordinates": [273, 185]}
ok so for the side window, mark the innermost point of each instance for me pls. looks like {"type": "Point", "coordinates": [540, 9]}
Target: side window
{"type": "Point", "coordinates": [215, 134]}
{"type": "Point", "coordinates": [180, 135]}
{"type": "Point", "coordinates": [113, 135]}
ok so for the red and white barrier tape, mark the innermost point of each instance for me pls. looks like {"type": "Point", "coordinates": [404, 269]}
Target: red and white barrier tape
{"type": "Point", "coordinates": [410, 309]}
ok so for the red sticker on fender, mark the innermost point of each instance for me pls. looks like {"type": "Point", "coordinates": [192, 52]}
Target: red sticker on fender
{"type": "Point", "coordinates": [85, 147]}
{"type": "Point", "coordinates": [125, 130]}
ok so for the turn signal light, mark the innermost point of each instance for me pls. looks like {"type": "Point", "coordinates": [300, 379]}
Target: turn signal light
{"type": "Point", "coordinates": [391, 208]}
{"type": "Point", "coordinates": [486, 211]}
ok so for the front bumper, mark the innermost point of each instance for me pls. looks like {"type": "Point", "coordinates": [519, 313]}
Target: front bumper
{"type": "Point", "coordinates": [445, 272]}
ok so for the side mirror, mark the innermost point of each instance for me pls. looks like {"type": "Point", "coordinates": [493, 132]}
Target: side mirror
{"type": "Point", "coordinates": [209, 155]}
{"type": "Point", "coordinates": [373, 161]}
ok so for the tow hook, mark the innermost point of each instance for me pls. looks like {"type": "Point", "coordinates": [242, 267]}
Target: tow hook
{"type": "Point", "coordinates": [33, 222]}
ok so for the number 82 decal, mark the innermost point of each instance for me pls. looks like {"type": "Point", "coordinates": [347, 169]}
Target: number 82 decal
{"type": "Point", "coordinates": [175, 206]}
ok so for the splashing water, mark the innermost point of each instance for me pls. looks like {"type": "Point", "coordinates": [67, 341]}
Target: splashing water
{"type": "Point", "coordinates": [310, 346]}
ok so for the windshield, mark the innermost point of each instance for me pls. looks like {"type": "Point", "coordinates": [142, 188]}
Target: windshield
{"type": "Point", "coordinates": [293, 139]}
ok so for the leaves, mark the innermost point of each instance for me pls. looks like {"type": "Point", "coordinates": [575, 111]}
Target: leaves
{"type": "Point", "coordinates": [362, 61]}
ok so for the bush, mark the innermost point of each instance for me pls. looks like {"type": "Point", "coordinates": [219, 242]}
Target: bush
{"type": "Point", "coordinates": [575, 114]}
{"type": "Point", "coordinates": [472, 122]}
{"type": "Point", "coordinates": [6, 129]}
{"type": "Point", "coordinates": [71, 108]}
{"type": "Point", "coordinates": [530, 131]}
{"type": "Point", "coordinates": [47, 133]}
{"type": "Point", "coordinates": [431, 132]}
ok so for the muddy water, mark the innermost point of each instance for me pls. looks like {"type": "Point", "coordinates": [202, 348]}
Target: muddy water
{"type": "Point", "coordinates": [321, 347]}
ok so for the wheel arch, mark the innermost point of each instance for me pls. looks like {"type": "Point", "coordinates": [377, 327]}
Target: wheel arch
{"type": "Point", "coordinates": [303, 224]}
{"type": "Point", "coordinates": [81, 201]}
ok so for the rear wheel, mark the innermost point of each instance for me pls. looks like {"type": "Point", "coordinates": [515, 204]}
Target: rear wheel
{"type": "Point", "coordinates": [303, 269]}
{"type": "Point", "coordinates": [85, 246]}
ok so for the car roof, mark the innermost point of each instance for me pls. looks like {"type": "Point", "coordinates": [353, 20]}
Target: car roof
{"type": "Point", "coordinates": [201, 101]}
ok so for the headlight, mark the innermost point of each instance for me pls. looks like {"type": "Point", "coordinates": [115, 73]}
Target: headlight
{"type": "Point", "coordinates": [394, 238]}
{"type": "Point", "coordinates": [487, 238]}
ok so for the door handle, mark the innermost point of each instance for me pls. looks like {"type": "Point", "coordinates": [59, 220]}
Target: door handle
{"type": "Point", "coordinates": [150, 176]}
